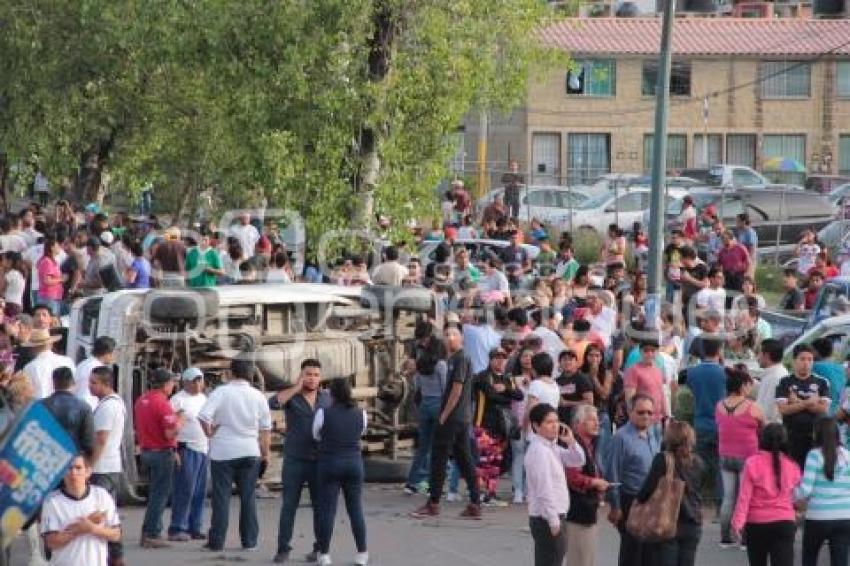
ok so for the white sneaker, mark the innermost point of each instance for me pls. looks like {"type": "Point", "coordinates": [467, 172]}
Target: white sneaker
{"type": "Point", "coordinates": [452, 497]}
{"type": "Point", "coordinates": [324, 560]}
{"type": "Point", "coordinates": [361, 559]}
{"type": "Point", "coordinates": [518, 499]}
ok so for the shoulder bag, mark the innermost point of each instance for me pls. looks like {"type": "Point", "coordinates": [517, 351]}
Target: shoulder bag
{"type": "Point", "coordinates": [656, 519]}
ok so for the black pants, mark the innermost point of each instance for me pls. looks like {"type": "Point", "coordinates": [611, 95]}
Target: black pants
{"type": "Point", "coordinates": [633, 552]}
{"type": "Point", "coordinates": [815, 533]}
{"type": "Point", "coordinates": [799, 446]}
{"type": "Point", "coordinates": [774, 540]}
{"type": "Point", "coordinates": [682, 550]}
{"type": "Point", "coordinates": [452, 438]}
{"type": "Point", "coordinates": [548, 550]}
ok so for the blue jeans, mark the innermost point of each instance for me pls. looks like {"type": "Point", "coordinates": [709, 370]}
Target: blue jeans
{"type": "Point", "coordinates": [345, 473]}
{"type": "Point", "coordinates": [160, 468]}
{"type": "Point", "coordinates": [296, 472]}
{"type": "Point", "coordinates": [429, 412]}
{"type": "Point", "coordinates": [518, 465]}
{"type": "Point", "coordinates": [707, 449]}
{"type": "Point", "coordinates": [603, 441]}
{"type": "Point", "coordinates": [190, 487]}
{"type": "Point", "coordinates": [243, 472]}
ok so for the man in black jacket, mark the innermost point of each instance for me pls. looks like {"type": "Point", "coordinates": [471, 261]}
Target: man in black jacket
{"type": "Point", "coordinates": [74, 414]}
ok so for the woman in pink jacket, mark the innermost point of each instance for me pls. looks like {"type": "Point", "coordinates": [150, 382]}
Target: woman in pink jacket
{"type": "Point", "coordinates": [765, 511]}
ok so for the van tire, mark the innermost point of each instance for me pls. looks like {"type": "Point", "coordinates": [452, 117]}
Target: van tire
{"type": "Point", "coordinates": [196, 304]}
{"type": "Point", "coordinates": [385, 470]}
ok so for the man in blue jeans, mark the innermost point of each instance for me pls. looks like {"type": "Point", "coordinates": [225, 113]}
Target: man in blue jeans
{"type": "Point", "coordinates": [299, 404]}
{"type": "Point", "coordinates": [156, 431]}
{"type": "Point", "coordinates": [190, 475]}
{"type": "Point", "coordinates": [236, 417]}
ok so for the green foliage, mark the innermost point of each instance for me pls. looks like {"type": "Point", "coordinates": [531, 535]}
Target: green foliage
{"type": "Point", "coordinates": [260, 101]}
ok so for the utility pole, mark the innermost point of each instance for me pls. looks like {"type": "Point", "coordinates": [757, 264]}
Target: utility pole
{"type": "Point", "coordinates": [482, 156]}
{"type": "Point", "coordinates": [657, 206]}
{"type": "Point", "coordinates": [705, 131]}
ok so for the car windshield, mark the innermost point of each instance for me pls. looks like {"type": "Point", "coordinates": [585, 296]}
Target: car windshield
{"type": "Point", "coordinates": [596, 201]}
{"type": "Point", "coordinates": [701, 200]}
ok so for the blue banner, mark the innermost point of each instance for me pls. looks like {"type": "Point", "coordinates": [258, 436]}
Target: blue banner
{"type": "Point", "coordinates": [33, 460]}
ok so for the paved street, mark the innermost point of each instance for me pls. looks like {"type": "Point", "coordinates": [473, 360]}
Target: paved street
{"type": "Point", "coordinates": [500, 539]}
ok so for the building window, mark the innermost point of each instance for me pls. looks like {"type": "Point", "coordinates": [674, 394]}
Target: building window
{"type": "Point", "coordinates": [588, 157]}
{"type": "Point", "coordinates": [680, 78]}
{"type": "Point", "coordinates": [785, 79]}
{"type": "Point", "coordinates": [741, 149]}
{"type": "Point", "coordinates": [842, 74]}
{"type": "Point", "coordinates": [546, 158]}
{"type": "Point", "coordinates": [844, 155]}
{"type": "Point", "coordinates": [677, 151]}
{"type": "Point", "coordinates": [592, 77]}
{"type": "Point", "coordinates": [715, 150]}
{"type": "Point", "coordinates": [786, 146]}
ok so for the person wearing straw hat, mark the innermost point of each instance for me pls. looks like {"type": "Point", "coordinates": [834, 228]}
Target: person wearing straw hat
{"type": "Point", "coordinates": [40, 369]}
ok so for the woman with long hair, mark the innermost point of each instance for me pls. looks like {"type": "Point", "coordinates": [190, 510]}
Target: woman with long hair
{"type": "Point", "coordinates": [826, 490]}
{"type": "Point", "coordinates": [764, 513]}
{"type": "Point", "coordinates": [429, 383]}
{"type": "Point", "coordinates": [50, 277]}
{"type": "Point", "coordinates": [602, 379]}
{"type": "Point", "coordinates": [679, 442]}
{"type": "Point", "coordinates": [738, 419]}
{"type": "Point", "coordinates": [339, 466]}
{"type": "Point", "coordinates": [521, 381]}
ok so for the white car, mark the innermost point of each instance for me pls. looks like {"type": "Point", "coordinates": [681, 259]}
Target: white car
{"type": "Point", "coordinates": [542, 202]}
{"type": "Point", "coordinates": [621, 208]}
{"type": "Point", "coordinates": [479, 249]}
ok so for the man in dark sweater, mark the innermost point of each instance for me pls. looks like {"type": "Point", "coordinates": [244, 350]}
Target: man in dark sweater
{"type": "Point", "coordinates": [299, 403]}
{"type": "Point", "coordinates": [73, 414]}
{"type": "Point", "coordinates": [452, 431]}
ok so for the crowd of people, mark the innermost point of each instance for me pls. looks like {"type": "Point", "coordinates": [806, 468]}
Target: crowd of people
{"type": "Point", "coordinates": [545, 369]}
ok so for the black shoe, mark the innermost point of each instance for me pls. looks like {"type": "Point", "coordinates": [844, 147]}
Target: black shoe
{"type": "Point", "coordinates": [212, 548]}
{"type": "Point", "coordinates": [281, 557]}
{"type": "Point", "coordinates": [312, 556]}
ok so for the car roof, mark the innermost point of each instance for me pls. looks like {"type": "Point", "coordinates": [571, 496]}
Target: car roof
{"type": "Point", "coordinates": [488, 241]}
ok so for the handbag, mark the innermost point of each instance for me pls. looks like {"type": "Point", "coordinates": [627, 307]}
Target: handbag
{"type": "Point", "coordinates": [656, 519]}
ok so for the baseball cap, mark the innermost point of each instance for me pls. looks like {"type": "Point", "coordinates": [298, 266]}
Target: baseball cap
{"type": "Point", "coordinates": [191, 374]}
{"type": "Point", "coordinates": [107, 238]}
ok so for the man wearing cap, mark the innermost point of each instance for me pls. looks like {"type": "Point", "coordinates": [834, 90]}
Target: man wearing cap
{"type": "Point", "coordinates": [40, 369]}
{"type": "Point", "coordinates": [157, 426]}
{"type": "Point", "coordinates": [190, 477]}
{"type": "Point", "coordinates": [237, 420]}
{"type": "Point", "coordinates": [246, 233]}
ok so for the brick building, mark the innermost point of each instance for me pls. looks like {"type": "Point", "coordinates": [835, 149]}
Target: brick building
{"type": "Point", "coordinates": [753, 88]}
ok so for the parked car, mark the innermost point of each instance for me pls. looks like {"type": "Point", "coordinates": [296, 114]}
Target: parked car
{"type": "Point", "coordinates": [773, 212]}
{"type": "Point", "coordinates": [623, 208]}
{"type": "Point", "coordinates": [825, 184]}
{"type": "Point", "coordinates": [546, 203]}
{"type": "Point", "coordinates": [735, 176]}
{"type": "Point", "coordinates": [831, 305]}
{"type": "Point", "coordinates": [479, 250]}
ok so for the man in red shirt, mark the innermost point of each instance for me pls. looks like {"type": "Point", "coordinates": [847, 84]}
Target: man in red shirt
{"type": "Point", "coordinates": [156, 432]}
{"type": "Point", "coordinates": [734, 259]}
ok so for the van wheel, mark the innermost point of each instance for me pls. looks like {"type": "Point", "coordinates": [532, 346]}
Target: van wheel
{"type": "Point", "coordinates": [385, 470]}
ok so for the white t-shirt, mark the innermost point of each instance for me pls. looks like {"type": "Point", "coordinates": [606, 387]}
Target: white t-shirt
{"type": "Point", "coordinates": [240, 412]}
{"type": "Point", "coordinates": [13, 243]}
{"type": "Point", "coordinates": [605, 323]}
{"type": "Point", "coordinates": [714, 299]}
{"type": "Point", "coordinates": [15, 284]}
{"type": "Point", "coordinates": [110, 415]}
{"type": "Point", "coordinates": [60, 511]}
{"type": "Point", "coordinates": [40, 372]}
{"type": "Point", "coordinates": [496, 281]}
{"type": "Point", "coordinates": [277, 275]}
{"type": "Point", "coordinates": [548, 393]}
{"type": "Point", "coordinates": [191, 432]}
{"type": "Point", "coordinates": [248, 238]}
{"type": "Point", "coordinates": [81, 385]}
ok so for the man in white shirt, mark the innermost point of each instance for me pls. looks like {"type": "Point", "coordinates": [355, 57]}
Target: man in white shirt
{"type": "Point", "coordinates": [110, 414]}
{"type": "Point", "coordinates": [247, 235]}
{"type": "Point", "coordinates": [714, 296]}
{"type": "Point", "coordinates": [552, 343]}
{"type": "Point", "coordinates": [494, 280]}
{"type": "Point", "coordinates": [603, 319]}
{"type": "Point", "coordinates": [390, 272]}
{"type": "Point", "coordinates": [102, 354]}
{"type": "Point", "coordinates": [190, 477]}
{"type": "Point", "coordinates": [40, 369]}
{"type": "Point", "coordinates": [78, 520]}
{"type": "Point", "coordinates": [237, 419]}
{"type": "Point", "coordinates": [770, 360]}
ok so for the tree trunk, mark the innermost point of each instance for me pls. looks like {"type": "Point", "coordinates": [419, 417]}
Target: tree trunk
{"type": "Point", "coordinates": [87, 184]}
{"type": "Point", "coordinates": [369, 154]}
{"type": "Point", "coordinates": [4, 181]}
